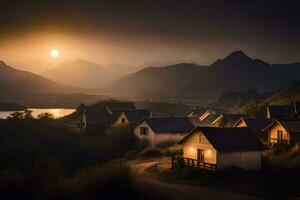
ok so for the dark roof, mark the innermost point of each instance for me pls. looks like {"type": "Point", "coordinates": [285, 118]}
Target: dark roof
{"type": "Point", "coordinates": [229, 139]}
{"type": "Point", "coordinates": [291, 126]}
{"type": "Point", "coordinates": [255, 123]}
{"type": "Point", "coordinates": [170, 125]}
{"type": "Point", "coordinates": [119, 106]}
{"type": "Point", "coordinates": [135, 116]}
{"type": "Point", "coordinates": [229, 119]}
{"type": "Point", "coordinates": [279, 111]}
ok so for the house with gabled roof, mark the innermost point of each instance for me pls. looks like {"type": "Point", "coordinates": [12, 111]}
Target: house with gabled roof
{"type": "Point", "coordinates": [290, 111]}
{"type": "Point", "coordinates": [223, 147]}
{"type": "Point", "coordinates": [226, 120]}
{"type": "Point", "coordinates": [257, 125]}
{"type": "Point", "coordinates": [283, 132]}
{"type": "Point", "coordinates": [131, 117]}
{"type": "Point", "coordinates": [114, 108]}
{"type": "Point", "coordinates": [158, 130]}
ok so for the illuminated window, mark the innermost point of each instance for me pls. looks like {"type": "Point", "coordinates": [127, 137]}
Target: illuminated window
{"type": "Point", "coordinates": [144, 130]}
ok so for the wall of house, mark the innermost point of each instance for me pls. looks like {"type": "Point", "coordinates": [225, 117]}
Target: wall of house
{"type": "Point", "coordinates": [241, 124]}
{"type": "Point", "coordinates": [154, 138]}
{"type": "Point", "coordinates": [273, 133]}
{"type": "Point", "coordinates": [198, 141]}
{"type": "Point", "coordinates": [245, 160]}
{"type": "Point", "coordinates": [118, 121]}
{"type": "Point", "coordinates": [151, 134]}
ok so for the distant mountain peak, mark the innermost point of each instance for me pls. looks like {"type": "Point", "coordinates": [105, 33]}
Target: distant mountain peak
{"type": "Point", "coordinates": [236, 58]}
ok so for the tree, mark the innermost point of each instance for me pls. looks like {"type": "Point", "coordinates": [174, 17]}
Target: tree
{"type": "Point", "coordinates": [45, 116]}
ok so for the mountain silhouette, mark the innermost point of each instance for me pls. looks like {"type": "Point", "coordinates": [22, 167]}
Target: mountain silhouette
{"type": "Point", "coordinates": [185, 81]}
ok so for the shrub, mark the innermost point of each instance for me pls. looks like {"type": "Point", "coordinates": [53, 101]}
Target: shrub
{"type": "Point", "coordinates": [173, 151]}
{"type": "Point", "coordinates": [151, 152]}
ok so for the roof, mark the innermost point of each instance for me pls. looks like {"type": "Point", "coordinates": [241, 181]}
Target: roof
{"type": "Point", "coordinates": [292, 126]}
{"type": "Point", "coordinates": [229, 139]}
{"type": "Point", "coordinates": [134, 116]}
{"type": "Point", "coordinates": [115, 106]}
{"type": "Point", "coordinates": [255, 123]}
{"type": "Point", "coordinates": [170, 125]}
{"type": "Point", "coordinates": [229, 119]}
{"type": "Point", "coordinates": [279, 111]}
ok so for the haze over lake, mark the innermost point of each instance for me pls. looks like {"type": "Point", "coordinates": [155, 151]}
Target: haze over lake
{"type": "Point", "coordinates": [56, 112]}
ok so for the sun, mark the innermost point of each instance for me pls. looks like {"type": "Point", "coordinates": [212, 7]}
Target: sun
{"type": "Point", "coordinates": [54, 53]}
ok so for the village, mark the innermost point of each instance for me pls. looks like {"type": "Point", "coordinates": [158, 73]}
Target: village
{"type": "Point", "coordinates": [210, 140]}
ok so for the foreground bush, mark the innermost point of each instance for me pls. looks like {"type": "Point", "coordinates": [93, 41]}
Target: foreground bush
{"type": "Point", "coordinates": [151, 152]}
{"type": "Point", "coordinates": [173, 151]}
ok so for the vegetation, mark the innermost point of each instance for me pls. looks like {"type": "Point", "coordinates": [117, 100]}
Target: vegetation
{"type": "Point", "coordinates": [43, 158]}
{"type": "Point", "coordinates": [254, 108]}
{"type": "Point", "coordinates": [151, 152]}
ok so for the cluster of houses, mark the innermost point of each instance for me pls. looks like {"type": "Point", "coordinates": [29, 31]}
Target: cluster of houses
{"type": "Point", "coordinates": [212, 137]}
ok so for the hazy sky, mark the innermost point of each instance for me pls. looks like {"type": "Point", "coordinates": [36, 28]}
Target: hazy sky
{"type": "Point", "coordinates": [145, 32]}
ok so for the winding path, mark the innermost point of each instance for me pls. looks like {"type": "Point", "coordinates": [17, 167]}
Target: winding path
{"type": "Point", "coordinates": [176, 191]}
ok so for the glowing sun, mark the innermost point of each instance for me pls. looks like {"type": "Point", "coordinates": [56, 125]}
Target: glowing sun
{"type": "Point", "coordinates": [54, 53]}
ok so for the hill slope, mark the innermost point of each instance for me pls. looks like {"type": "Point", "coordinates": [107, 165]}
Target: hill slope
{"type": "Point", "coordinates": [84, 74]}
{"type": "Point", "coordinates": [16, 81]}
{"type": "Point", "coordinates": [191, 82]}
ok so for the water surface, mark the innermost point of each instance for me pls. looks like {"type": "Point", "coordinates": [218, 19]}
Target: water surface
{"type": "Point", "coordinates": [56, 112]}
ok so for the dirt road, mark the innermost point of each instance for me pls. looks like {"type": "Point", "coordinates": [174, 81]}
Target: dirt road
{"type": "Point", "coordinates": [176, 191]}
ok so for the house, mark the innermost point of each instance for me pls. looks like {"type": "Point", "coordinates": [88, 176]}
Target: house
{"type": "Point", "coordinates": [197, 112]}
{"type": "Point", "coordinates": [283, 132]}
{"type": "Point", "coordinates": [130, 117]}
{"type": "Point", "coordinates": [223, 147]}
{"type": "Point", "coordinates": [114, 108]}
{"type": "Point", "coordinates": [206, 117]}
{"type": "Point", "coordinates": [290, 111]}
{"type": "Point", "coordinates": [226, 120]}
{"type": "Point", "coordinates": [255, 124]}
{"type": "Point", "coordinates": [160, 130]}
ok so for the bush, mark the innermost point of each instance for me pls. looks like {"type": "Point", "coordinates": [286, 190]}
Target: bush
{"type": "Point", "coordinates": [173, 151]}
{"type": "Point", "coordinates": [112, 180]}
{"type": "Point", "coordinates": [151, 152]}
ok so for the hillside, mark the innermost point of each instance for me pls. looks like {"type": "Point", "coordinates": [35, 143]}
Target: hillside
{"type": "Point", "coordinates": [16, 81]}
{"type": "Point", "coordinates": [32, 90]}
{"type": "Point", "coordinates": [191, 82]}
{"type": "Point", "coordinates": [286, 95]}
{"type": "Point", "coordinates": [84, 74]}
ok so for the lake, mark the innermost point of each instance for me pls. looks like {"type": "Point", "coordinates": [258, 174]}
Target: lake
{"type": "Point", "coordinates": [56, 112]}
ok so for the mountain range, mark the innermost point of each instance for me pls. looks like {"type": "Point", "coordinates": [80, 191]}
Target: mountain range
{"type": "Point", "coordinates": [84, 74]}
{"type": "Point", "coordinates": [191, 82]}
{"type": "Point", "coordinates": [33, 90]}
{"type": "Point", "coordinates": [184, 82]}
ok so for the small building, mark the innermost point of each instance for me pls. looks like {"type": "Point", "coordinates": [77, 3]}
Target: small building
{"type": "Point", "coordinates": [223, 147]}
{"type": "Point", "coordinates": [114, 108]}
{"type": "Point", "coordinates": [131, 117]}
{"type": "Point", "coordinates": [226, 120]}
{"type": "Point", "coordinates": [290, 111]}
{"type": "Point", "coordinates": [160, 130]}
{"type": "Point", "coordinates": [256, 125]}
{"type": "Point", "coordinates": [283, 132]}
{"type": "Point", "coordinates": [205, 116]}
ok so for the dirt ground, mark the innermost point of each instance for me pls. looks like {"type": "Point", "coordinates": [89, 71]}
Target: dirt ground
{"type": "Point", "coordinates": [146, 176]}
